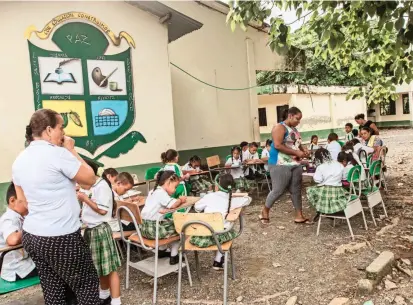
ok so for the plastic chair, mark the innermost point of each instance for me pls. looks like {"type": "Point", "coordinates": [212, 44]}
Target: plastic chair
{"type": "Point", "coordinates": [152, 266]}
{"type": "Point", "coordinates": [213, 162]}
{"type": "Point", "coordinates": [341, 143]}
{"type": "Point", "coordinates": [150, 175]}
{"type": "Point", "coordinates": [382, 158]}
{"type": "Point", "coordinates": [228, 157]}
{"type": "Point", "coordinates": [259, 151]}
{"type": "Point", "coordinates": [205, 224]}
{"type": "Point", "coordinates": [354, 206]}
{"type": "Point", "coordinates": [372, 192]}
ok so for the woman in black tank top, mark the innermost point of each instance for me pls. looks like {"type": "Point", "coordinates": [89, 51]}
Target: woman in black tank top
{"type": "Point", "coordinates": [360, 119]}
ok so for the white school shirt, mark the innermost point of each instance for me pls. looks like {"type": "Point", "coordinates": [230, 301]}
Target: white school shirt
{"type": "Point", "coordinates": [237, 171]}
{"type": "Point", "coordinates": [265, 154]}
{"type": "Point", "coordinates": [45, 172]}
{"type": "Point", "coordinates": [114, 224]}
{"type": "Point", "coordinates": [188, 167]}
{"type": "Point", "coordinates": [102, 196]}
{"type": "Point", "coordinates": [329, 173]}
{"type": "Point", "coordinates": [250, 156]}
{"type": "Point", "coordinates": [334, 148]}
{"type": "Point", "coordinates": [157, 200]}
{"type": "Point", "coordinates": [349, 136]}
{"type": "Point", "coordinates": [346, 170]}
{"type": "Point", "coordinates": [15, 262]}
{"type": "Point", "coordinates": [217, 202]}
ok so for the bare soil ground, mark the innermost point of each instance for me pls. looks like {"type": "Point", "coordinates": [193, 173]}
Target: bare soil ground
{"type": "Point", "coordinates": [284, 259]}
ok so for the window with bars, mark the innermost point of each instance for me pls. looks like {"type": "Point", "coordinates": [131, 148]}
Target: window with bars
{"type": "Point", "coordinates": [406, 106]}
{"type": "Point", "coordinates": [388, 108]}
{"type": "Point", "coordinates": [262, 116]}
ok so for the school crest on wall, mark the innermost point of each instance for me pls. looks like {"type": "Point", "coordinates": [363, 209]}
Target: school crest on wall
{"type": "Point", "coordinates": [92, 90]}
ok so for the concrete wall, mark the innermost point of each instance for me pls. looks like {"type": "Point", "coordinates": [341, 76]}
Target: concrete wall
{"type": "Point", "coordinates": [151, 74]}
{"type": "Point", "coordinates": [209, 117]}
{"type": "Point", "coordinates": [399, 119]}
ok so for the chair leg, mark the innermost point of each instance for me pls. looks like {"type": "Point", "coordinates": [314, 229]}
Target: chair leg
{"type": "Point", "coordinates": [318, 226]}
{"type": "Point", "coordinates": [334, 222]}
{"type": "Point", "coordinates": [364, 219]}
{"type": "Point", "coordinates": [188, 270]}
{"type": "Point", "coordinates": [155, 278]}
{"type": "Point", "coordinates": [372, 216]}
{"type": "Point", "coordinates": [198, 274]}
{"type": "Point", "coordinates": [231, 252]}
{"type": "Point", "coordinates": [384, 208]}
{"type": "Point", "coordinates": [351, 230]}
{"type": "Point", "coordinates": [119, 249]}
{"type": "Point", "coordinates": [178, 301]}
{"type": "Point", "coordinates": [225, 277]}
{"type": "Point", "coordinates": [127, 264]}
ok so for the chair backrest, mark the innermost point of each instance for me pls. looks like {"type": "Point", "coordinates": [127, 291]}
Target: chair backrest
{"type": "Point", "coordinates": [363, 157]}
{"type": "Point", "coordinates": [228, 157]}
{"type": "Point", "coordinates": [198, 222]}
{"type": "Point", "coordinates": [354, 179]}
{"type": "Point", "coordinates": [213, 161]}
{"type": "Point", "coordinates": [151, 172]}
{"type": "Point", "coordinates": [133, 207]}
{"type": "Point", "coordinates": [375, 168]}
{"type": "Point", "coordinates": [382, 155]}
{"type": "Point", "coordinates": [341, 143]}
{"type": "Point", "coordinates": [259, 151]}
{"type": "Point", "coordinates": [369, 161]}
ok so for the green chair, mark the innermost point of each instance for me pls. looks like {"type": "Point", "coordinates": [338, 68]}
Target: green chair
{"type": "Point", "coordinates": [151, 172]}
{"type": "Point", "coordinates": [259, 150]}
{"type": "Point", "coordinates": [354, 206]}
{"type": "Point", "coordinates": [372, 191]}
{"type": "Point", "coordinates": [341, 143]}
{"type": "Point", "coordinates": [6, 287]}
{"type": "Point", "coordinates": [228, 157]}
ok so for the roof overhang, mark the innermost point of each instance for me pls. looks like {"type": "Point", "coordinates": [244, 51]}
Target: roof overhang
{"type": "Point", "coordinates": [178, 23]}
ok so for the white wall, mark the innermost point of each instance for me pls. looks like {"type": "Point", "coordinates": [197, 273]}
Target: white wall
{"type": "Point", "coordinates": [205, 116]}
{"type": "Point", "coordinates": [151, 73]}
{"type": "Point", "coordinates": [399, 116]}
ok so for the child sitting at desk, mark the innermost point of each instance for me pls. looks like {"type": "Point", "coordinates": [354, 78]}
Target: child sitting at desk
{"type": "Point", "coordinates": [314, 143]}
{"type": "Point", "coordinates": [252, 157]}
{"type": "Point", "coordinates": [346, 159]}
{"type": "Point", "coordinates": [159, 202]}
{"type": "Point", "coordinates": [348, 128]}
{"type": "Point", "coordinates": [333, 146]}
{"type": "Point", "coordinates": [265, 155]}
{"type": "Point", "coordinates": [219, 202]}
{"type": "Point", "coordinates": [198, 182]}
{"type": "Point", "coordinates": [236, 163]}
{"type": "Point", "coordinates": [122, 184]}
{"type": "Point", "coordinates": [244, 149]}
{"type": "Point", "coordinates": [17, 264]}
{"type": "Point", "coordinates": [171, 158]}
{"type": "Point", "coordinates": [328, 197]}
{"type": "Point", "coordinates": [110, 174]}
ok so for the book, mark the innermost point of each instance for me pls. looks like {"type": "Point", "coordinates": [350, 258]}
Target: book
{"type": "Point", "coordinates": [59, 78]}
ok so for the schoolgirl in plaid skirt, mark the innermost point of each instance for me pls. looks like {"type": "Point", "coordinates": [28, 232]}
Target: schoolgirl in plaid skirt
{"type": "Point", "coordinates": [328, 196]}
{"type": "Point", "coordinates": [97, 212]}
{"type": "Point", "coordinates": [218, 202]}
{"type": "Point", "coordinates": [198, 183]}
{"type": "Point", "coordinates": [237, 172]}
{"type": "Point", "coordinates": [157, 206]}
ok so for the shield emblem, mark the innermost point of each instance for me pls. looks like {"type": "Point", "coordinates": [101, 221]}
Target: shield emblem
{"type": "Point", "coordinates": [92, 90]}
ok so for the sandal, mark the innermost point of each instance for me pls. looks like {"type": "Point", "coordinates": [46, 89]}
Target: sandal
{"type": "Point", "coordinates": [264, 221]}
{"type": "Point", "coordinates": [304, 221]}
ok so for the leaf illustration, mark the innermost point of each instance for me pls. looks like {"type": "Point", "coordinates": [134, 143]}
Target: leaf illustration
{"type": "Point", "coordinates": [123, 146]}
{"type": "Point", "coordinates": [65, 119]}
{"type": "Point", "coordinates": [74, 116]}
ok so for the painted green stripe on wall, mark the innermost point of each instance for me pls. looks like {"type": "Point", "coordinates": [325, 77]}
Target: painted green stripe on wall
{"type": "Point", "coordinates": [392, 124]}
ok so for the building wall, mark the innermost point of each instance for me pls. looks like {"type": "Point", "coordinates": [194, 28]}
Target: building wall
{"type": "Point", "coordinates": [322, 113]}
{"type": "Point", "coordinates": [397, 120]}
{"type": "Point", "coordinates": [206, 116]}
{"type": "Point", "coordinates": [150, 65]}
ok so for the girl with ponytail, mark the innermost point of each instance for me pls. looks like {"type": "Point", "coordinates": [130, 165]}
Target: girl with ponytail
{"type": "Point", "coordinates": [170, 159]}
{"type": "Point", "coordinates": [219, 202]}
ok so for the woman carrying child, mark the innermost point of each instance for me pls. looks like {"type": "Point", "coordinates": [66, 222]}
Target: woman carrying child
{"type": "Point", "coordinates": [328, 197]}
{"type": "Point", "coordinates": [97, 212]}
{"type": "Point", "coordinates": [198, 183]}
{"type": "Point", "coordinates": [236, 164]}
{"type": "Point", "coordinates": [158, 203]}
{"type": "Point", "coordinates": [219, 202]}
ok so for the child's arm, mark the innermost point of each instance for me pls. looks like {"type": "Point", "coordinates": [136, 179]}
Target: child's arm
{"type": "Point", "coordinates": [12, 233]}
{"type": "Point", "coordinates": [318, 175]}
{"type": "Point", "coordinates": [200, 205]}
{"type": "Point", "coordinates": [93, 205]}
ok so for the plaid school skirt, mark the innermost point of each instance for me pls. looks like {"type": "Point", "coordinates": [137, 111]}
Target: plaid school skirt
{"type": "Point", "coordinates": [166, 229]}
{"type": "Point", "coordinates": [103, 249]}
{"type": "Point", "coordinates": [327, 199]}
{"type": "Point", "coordinates": [200, 184]}
{"type": "Point", "coordinates": [207, 241]}
{"type": "Point", "coordinates": [242, 184]}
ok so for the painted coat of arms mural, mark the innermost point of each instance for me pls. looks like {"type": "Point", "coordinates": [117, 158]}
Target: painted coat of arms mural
{"type": "Point", "coordinates": [92, 90]}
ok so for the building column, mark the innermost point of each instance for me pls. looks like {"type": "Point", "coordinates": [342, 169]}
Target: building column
{"type": "Point", "coordinates": [410, 106]}
{"type": "Point", "coordinates": [253, 98]}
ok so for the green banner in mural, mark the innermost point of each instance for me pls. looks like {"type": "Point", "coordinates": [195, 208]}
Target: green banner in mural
{"type": "Point", "coordinates": [93, 91]}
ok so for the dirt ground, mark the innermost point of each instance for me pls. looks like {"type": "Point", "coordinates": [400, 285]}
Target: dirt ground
{"type": "Point", "coordinates": [283, 259]}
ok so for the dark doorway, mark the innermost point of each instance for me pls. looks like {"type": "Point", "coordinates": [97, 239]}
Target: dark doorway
{"type": "Point", "coordinates": [280, 112]}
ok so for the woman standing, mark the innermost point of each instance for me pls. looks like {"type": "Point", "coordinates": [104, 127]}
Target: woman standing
{"type": "Point", "coordinates": [284, 165]}
{"type": "Point", "coordinates": [360, 119]}
{"type": "Point", "coordinates": [45, 174]}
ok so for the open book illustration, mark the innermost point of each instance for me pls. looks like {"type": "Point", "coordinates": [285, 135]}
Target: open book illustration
{"type": "Point", "coordinates": [59, 76]}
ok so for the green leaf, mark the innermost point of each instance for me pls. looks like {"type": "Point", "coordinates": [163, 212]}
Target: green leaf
{"type": "Point", "coordinates": [337, 63]}
{"type": "Point", "coordinates": [233, 25]}
{"type": "Point", "coordinates": [332, 42]}
{"type": "Point", "coordinates": [123, 146]}
{"type": "Point", "coordinates": [242, 26]}
{"type": "Point", "coordinates": [389, 26]}
{"type": "Point", "coordinates": [298, 12]}
{"type": "Point", "coordinates": [399, 23]}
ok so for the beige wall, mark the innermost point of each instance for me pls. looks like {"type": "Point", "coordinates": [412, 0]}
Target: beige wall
{"type": "Point", "coordinates": [320, 111]}
{"type": "Point", "coordinates": [399, 116]}
{"type": "Point", "coordinates": [152, 78]}
{"type": "Point", "coordinates": [205, 116]}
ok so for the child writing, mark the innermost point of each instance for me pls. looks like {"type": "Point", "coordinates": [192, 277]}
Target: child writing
{"type": "Point", "coordinates": [97, 212]}
{"type": "Point", "coordinates": [328, 197]}
{"type": "Point", "coordinates": [333, 146]}
{"type": "Point", "coordinates": [314, 143]}
{"type": "Point", "coordinates": [349, 132]}
{"type": "Point", "coordinates": [110, 174]}
{"type": "Point", "coordinates": [244, 149]}
{"type": "Point", "coordinates": [122, 184]}
{"type": "Point", "coordinates": [235, 163]}
{"type": "Point", "coordinates": [252, 157]}
{"type": "Point", "coordinates": [17, 264]}
{"type": "Point", "coordinates": [171, 158]}
{"type": "Point", "coordinates": [219, 202]}
{"type": "Point", "coordinates": [158, 203]}
{"type": "Point", "coordinates": [198, 182]}
{"type": "Point", "coordinates": [265, 155]}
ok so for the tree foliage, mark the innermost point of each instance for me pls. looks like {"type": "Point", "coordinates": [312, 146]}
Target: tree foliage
{"type": "Point", "coordinates": [370, 40]}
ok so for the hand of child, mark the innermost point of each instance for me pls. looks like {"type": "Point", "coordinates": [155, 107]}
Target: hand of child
{"type": "Point", "coordinates": [81, 196]}
{"type": "Point", "coordinates": [299, 154]}
{"type": "Point", "coordinates": [68, 143]}
{"type": "Point", "coordinates": [186, 177]}
{"type": "Point", "coordinates": [183, 199]}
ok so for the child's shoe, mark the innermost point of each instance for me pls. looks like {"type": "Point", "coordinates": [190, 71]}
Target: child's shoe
{"type": "Point", "coordinates": [218, 266]}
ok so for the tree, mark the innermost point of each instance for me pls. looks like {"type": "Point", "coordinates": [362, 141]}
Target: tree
{"type": "Point", "coordinates": [372, 39]}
